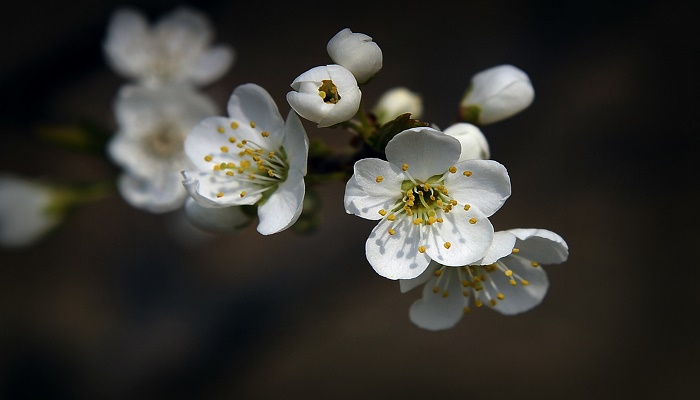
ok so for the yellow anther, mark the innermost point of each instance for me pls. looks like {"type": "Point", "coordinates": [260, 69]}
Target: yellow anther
{"type": "Point", "coordinates": [516, 250]}
{"type": "Point", "coordinates": [252, 124]}
{"type": "Point", "coordinates": [220, 194]}
{"type": "Point", "coordinates": [492, 302]}
{"type": "Point", "coordinates": [229, 173]}
{"type": "Point", "coordinates": [391, 217]}
{"type": "Point", "coordinates": [509, 273]}
{"type": "Point", "coordinates": [448, 245]}
{"type": "Point", "coordinates": [478, 303]}
{"type": "Point", "coordinates": [231, 165]}
{"type": "Point", "coordinates": [421, 249]}
{"type": "Point", "coordinates": [382, 212]}
{"type": "Point", "coordinates": [392, 231]}
{"type": "Point", "coordinates": [232, 139]}
{"type": "Point", "coordinates": [467, 207]}
{"type": "Point", "coordinates": [524, 282]}
{"type": "Point", "coordinates": [222, 165]}
{"type": "Point", "coordinates": [265, 133]}
{"type": "Point", "coordinates": [476, 279]}
{"type": "Point", "coordinates": [453, 169]}
{"type": "Point", "coordinates": [217, 167]}
{"type": "Point", "coordinates": [440, 220]}
{"type": "Point", "coordinates": [467, 310]}
{"type": "Point", "coordinates": [431, 220]}
{"type": "Point", "coordinates": [243, 193]}
{"type": "Point", "coordinates": [221, 129]}
{"type": "Point", "coordinates": [512, 282]}
{"type": "Point", "coordinates": [224, 149]}
{"type": "Point", "coordinates": [404, 167]}
{"type": "Point", "coordinates": [535, 264]}
{"type": "Point", "coordinates": [417, 221]}
{"type": "Point", "coordinates": [453, 202]}
{"type": "Point", "coordinates": [472, 221]}
{"type": "Point", "coordinates": [322, 94]}
{"type": "Point", "coordinates": [445, 294]}
{"type": "Point", "coordinates": [234, 125]}
{"type": "Point", "coordinates": [207, 158]}
{"type": "Point", "coordinates": [379, 178]}
{"type": "Point", "coordinates": [437, 272]}
{"type": "Point", "coordinates": [465, 283]}
{"type": "Point", "coordinates": [436, 289]}
{"type": "Point", "coordinates": [467, 173]}
{"type": "Point", "coordinates": [500, 296]}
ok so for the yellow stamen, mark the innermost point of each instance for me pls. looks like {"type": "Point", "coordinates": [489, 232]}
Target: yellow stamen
{"type": "Point", "coordinates": [472, 221]}
{"type": "Point", "coordinates": [404, 167]}
{"type": "Point", "coordinates": [448, 245]}
{"type": "Point", "coordinates": [379, 178]}
{"type": "Point", "coordinates": [221, 129]}
{"type": "Point", "coordinates": [252, 124]}
{"type": "Point", "coordinates": [207, 158]}
{"type": "Point", "coordinates": [467, 173]}
{"type": "Point", "coordinates": [421, 249]}
{"type": "Point", "coordinates": [453, 169]}
{"type": "Point", "coordinates": [234, 125]}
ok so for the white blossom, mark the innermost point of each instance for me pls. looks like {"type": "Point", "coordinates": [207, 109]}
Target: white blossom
{"type": "Point", "coordinates": [176, 49]}
{"type": "Point", "coordinates": [496, 94]}
{"type": "Point", "coordinates": [397, 101]}
{"type": "Point", "coordinates": [25, 210]}
{"type": "Point", "coordinates": [508, 279]}
{"type": "Point", "coordinates": [429, 205]}
{"type": "Point", "coordinates": [474, 143]}
{"type": "Point", "coordinates": [251, 157]}
{"type": "Point", "coordinates": [152, 126]}
{"type": "Point", "coordinates": [327, 95]}
{"type": "Point", "coordinates": [356, 52]}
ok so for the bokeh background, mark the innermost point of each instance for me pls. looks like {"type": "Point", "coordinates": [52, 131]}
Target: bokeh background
{"type": "Point", "coordinates": [121, 304]}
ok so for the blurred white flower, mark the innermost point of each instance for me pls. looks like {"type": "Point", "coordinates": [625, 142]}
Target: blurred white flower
{"type": "Point", "coordinates": [496, 94]}
{"type": "Point", "coordinates": [473, 141]}
{"type": "Point", "coordinates": [26, 212]}
{"type": "Point", "coordinates": [252, 157]}
{"type": "Point", "coordinates": [430, 206]}
{"type": "Point", "coordinates": [509, 279]}
{"type": "Point", "coordinates": [176, 49]}
{"type": "Point", "coordinates": [397, 101]}
{"type": "Point", "coordinates": [327, 95]}
{"type": "Point", "coordinates": [356, 52]}
{"type": "Point", "coordinates": [149, 143]}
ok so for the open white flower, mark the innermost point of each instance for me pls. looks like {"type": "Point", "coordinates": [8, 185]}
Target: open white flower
{"type": "Point", "coordinates": [219, 220]}
{"type": "Point", "coordinates": [496, 94]}
{"type": "Point", "coordinates": [473, 141]}
{"type": "Point", "coordinates": [149, 143]}
{"type": "Point", "coordinates": [25, 211]}
{"type": "Point", "coordinates": [356, 52]}
{"type": "Point", "coordinates": [327, 95]}
{"type": "Point", "coordinates": [429, 205]}
{"type": "Point", "coordinates": [176, 49]}
{"type": "Point", "coordinates": [397, 101]}
{"type": "Point", "coordinates": [509, 279]}
{"type": "Point", "coordinates": [252, 157]}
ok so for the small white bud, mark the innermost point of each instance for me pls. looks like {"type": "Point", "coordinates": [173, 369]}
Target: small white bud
{"type": "Point", "coordinates": [496, 94]}
{"type": "Point", "coordinates": [397, 101]}
{"type": "Point", "coordinates": [356, 52]}
{"type": "Point", "coordinates": [473, 141]}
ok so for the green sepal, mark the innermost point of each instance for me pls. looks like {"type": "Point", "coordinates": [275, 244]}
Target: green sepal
{"type": "Point", "coordinates": [386, 132]}
{"type": "Point", "coordinates": [85, 136]}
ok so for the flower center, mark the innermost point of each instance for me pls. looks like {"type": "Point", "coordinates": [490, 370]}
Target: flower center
{"type": "Point", "coordinates": [165, 141]}
{"type": "Point", "coordinates": [328, 92]}
{"type": "Point", "coordinates": [422, 199]}
{"type": "Point", "coordinates": [261, 168]}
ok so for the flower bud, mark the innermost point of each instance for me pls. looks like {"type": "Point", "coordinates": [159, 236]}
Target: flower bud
{"type": "Point", "coordinates": [398, 101]}
{"type": "Point", "coordinates": [496, 94]}
{"type": "Point", "coordinates": [327, 95]}
{"type": "Point", "coordinates": [356, 52]}
{"type": "Point", "coordinates": [25, 211]}
{"type": "Point", "coordinates": [474, 144]}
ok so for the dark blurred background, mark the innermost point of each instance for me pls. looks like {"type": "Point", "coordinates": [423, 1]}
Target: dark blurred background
{"type": "Point", "coordinates": [117, 305]}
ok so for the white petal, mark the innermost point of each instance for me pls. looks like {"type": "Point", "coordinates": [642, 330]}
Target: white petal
{"type": "Point", "coordinates": [296, 143]}
{"type": "Point", "coordinates": [364, 196]}
{"type": "Point", "coordinates": [251, 103]}
{"type": "Point", "coordinates": [407, 284]}
{"type": "Point", "coordinates": [473, 141]}
{"type": "Point", "coordinates": [541, 245]}
{"type": "Point", "coordinates": [205, 140]}
{"type": "Point", "coordinates": [223, 220]}
{"type": "Point", "coordinates": [206, 188]}
{"type": "Point", "coordinates": [284, 207]}
{"type": "Point", "coordinates": [211, 65]}
{"type": "Point", "coordinates": [161, 194]}
{"type": "Point", "coordinates": [309, 105]}
{"type": "Point", "coordinates": [396, 256]}
{"type": "Point", "coordinates": [356, 52]}
{"type": "Point", "coordinates": [487, 188]}
{"type": "Point", "coordinates": [427, 152]}
{"type": "Point", "coordinates": [468, 242]}
{"type": "Point", "coordinates": [126, 33]}
{"type": "Point", "coordinates": [344, 109]}
{"type": "Point", "coordinates": [435, 312]}
{"type": "Point", "coordinates": [24, 215]}
{"type": "Point", "coordinates": [502, 245]}
{"type": "Point", "coordinates": [520, 298]}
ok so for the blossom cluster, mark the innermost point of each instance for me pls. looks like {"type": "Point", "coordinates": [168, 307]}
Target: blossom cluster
{"type": "Point", "coordinates": [430, 190]}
